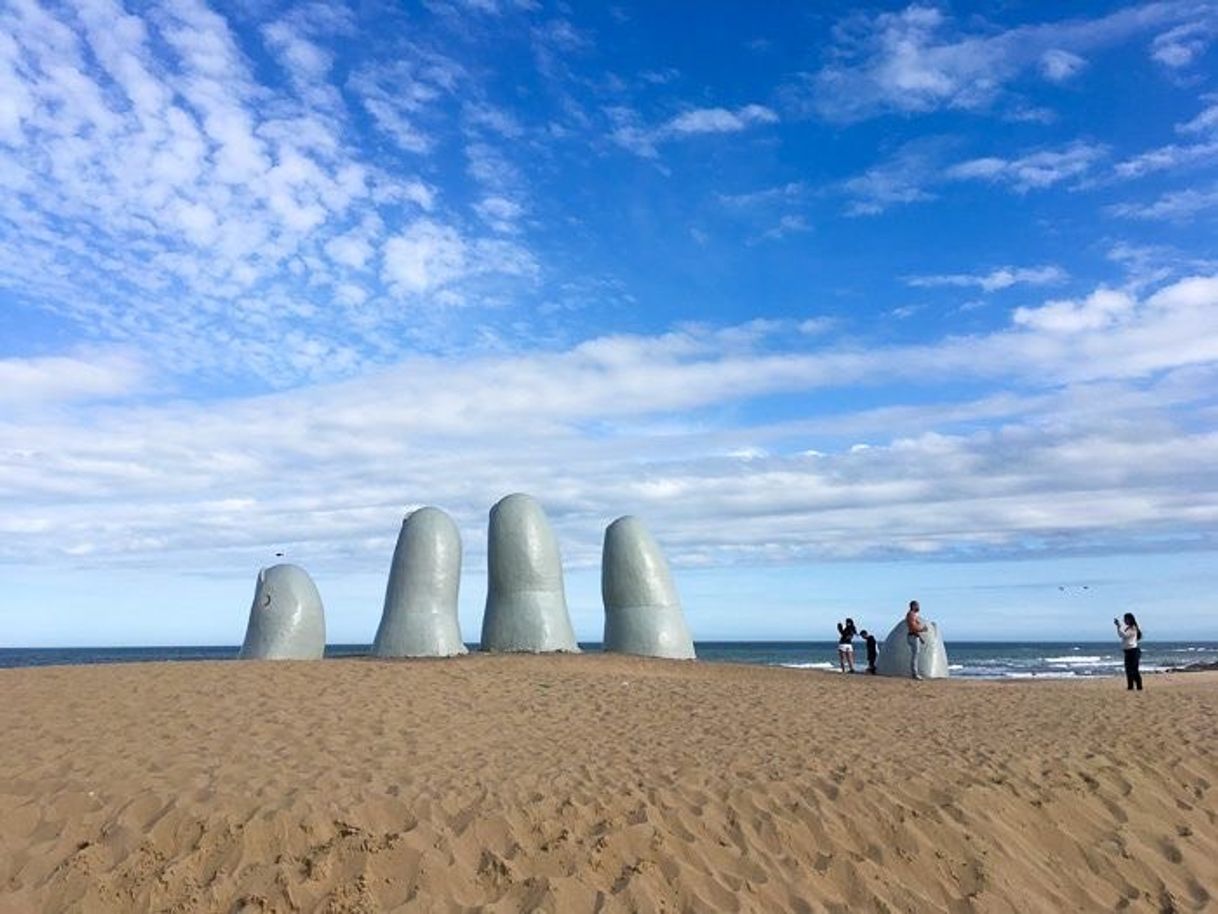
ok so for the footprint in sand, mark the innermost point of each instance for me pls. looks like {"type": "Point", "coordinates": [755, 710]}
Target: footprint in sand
{"type": "Point", "coordinates": [1171, 851]}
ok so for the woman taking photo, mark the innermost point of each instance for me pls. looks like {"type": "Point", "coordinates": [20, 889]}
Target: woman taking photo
{"type": "Point", "coordinates": [1131, 636]}
{"type": "Point", "coordinates": [845, 644]}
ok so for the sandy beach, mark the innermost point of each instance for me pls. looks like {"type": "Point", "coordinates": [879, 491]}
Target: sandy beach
{"type": "Point", "coordinates": [596, 783]}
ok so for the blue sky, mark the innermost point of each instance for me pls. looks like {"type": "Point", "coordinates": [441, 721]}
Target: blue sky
{"type": "Point", "coordinates": [851, 305]}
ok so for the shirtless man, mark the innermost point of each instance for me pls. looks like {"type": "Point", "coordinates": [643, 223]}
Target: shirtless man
{"type": "Point", "coordinates": [914, 627]}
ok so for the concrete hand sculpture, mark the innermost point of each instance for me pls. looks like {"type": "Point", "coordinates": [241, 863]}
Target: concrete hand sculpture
{"type": "Point", "coordinates": [420, 614]}
{"type": "Point", "coordinates": [895, 654]}
{"type": "Point", "coordinates": [642, 611]}
{"type": "Point", "coordinates": [526, 604]}
{"type": "Point", "coordinates": [287, 621]}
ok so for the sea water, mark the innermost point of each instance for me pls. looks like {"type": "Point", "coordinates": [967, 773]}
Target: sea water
{"type": "Point", "coordinates": [968, 659]}
{"type": "Point", "coordinates": [986, 659]}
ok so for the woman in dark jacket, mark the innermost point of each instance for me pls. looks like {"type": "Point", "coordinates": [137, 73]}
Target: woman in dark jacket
{"type": "Point", "coordinates": [845, 644]}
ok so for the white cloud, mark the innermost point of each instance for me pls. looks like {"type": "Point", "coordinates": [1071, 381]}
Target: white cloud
{"type": "Point", "coordinates": [1175, 156]}
{"type": "Point", "coordinates": [815, 326]}
{"type": "Point", "coordinates": [1033, 171]}
{"type": "Point", "coordinates": [916, 171]}
{"type": "Point", "coordinates": [1183, 45]}
{"type": "Point", "coordinates": [1088, 436]}
{"type": "Point", "coordinates": [500, 213]}
{"type": "Point", "coordinates": [995, 280]}
{"type": "Point", "coordinates": [450, 7]}
{"type": "Point", "coordinates": [902, 179]}
{"type": "Point", "coordinates": [554, 42]}
{"type": "Point", "coordinates": [719, 120]}
{"type": "Point", "coordinates": [1176, 206]}
{"type": "Point", "coordinates": [421, 195]}
{"type": "Point", "coordinates": [162, 194]}
{"type": "Point", "coordinates": [429, 256]}
{"type": "Point", "coordinates": [1145, 265]}
{"type": "Point", "coordinates": [790, 191]}
{"type": "Point", "coordinates": [425, 257]}
{"type": "Point", "coordinates": [158, 195]}
{"type": "Point", "coordinates": [1166, 158]}
{"type": "Point", "coordinates": [790, 224]}
{"type": "Point", "coordinates": [1022, 113]}
{"type": "Point", "coordinates": [562, 35]}
{"type": "Point", "coordinates": [394, 120]}
{"type": "Point", "coordinates": [351, 294]}
{"type": "Point", "coordinates": [489, 166]}
{"type": "Point", "coordinates": [1058, 66]}
{"type": "Point", "coordinates": [482, 116]}
{"type": "Point", "coordinates": [1205, 122]}
{"type": "Point", "coordinates": [304, 59]}
{"type": "Point", "coordinates": [987, 168]}
{"type": "Point", "coordinates": [629, 131]}
{"type": "Point", "coordinates": [401, 96]}
{"type": "Point", "coordinates": [1099, 310]}
{"type": "Point", "coordinates": [660, 77]}
{"type": "Point", "coordinates": [919, 60]}
{"type": "Point", "coordinates": [1194, 293]}
{"type": "Point", "coordinates": [36, 381]}
{"type": "Point", "coordinates": [352, 250]}
{"type": "Point", "coordinates": [900, 62]}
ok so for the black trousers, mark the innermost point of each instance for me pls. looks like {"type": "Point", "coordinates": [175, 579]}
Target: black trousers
{"type": "Point", "coordinates": [1133, 677]}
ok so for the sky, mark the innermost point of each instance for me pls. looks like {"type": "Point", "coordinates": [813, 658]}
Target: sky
{"type": "Point", "coordinates": [850, 305]}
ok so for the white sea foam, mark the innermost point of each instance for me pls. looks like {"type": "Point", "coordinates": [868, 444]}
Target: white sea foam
{"type": "Point", "coordinates": [1045, 675]}
{"type": "Point", "coordinates": [809, 666]}
{"type": "Point", "coordinates": [1083, 661]}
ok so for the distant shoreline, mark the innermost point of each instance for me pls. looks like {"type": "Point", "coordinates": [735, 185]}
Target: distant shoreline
{"type": "Point", "coordinates": [993, 660]}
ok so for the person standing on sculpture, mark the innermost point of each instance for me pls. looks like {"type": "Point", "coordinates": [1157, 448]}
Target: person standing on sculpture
{"type": "Point", "coordinates": [914, 627]}
{"type": "Point", "coordinates": [845, 644]}
{"type": "Point", "coordinates": [1131, 636]}
{"type": "Point", "coordinates": [873, 652]}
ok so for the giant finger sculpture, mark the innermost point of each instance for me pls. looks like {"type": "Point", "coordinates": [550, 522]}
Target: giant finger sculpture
{"type": "Point", "coordinates": [642, 611]}
{"type": "Point", "coordinates": [526, 605]}
{"type": "Point", "coordinates": [420, 614]}
{"type": "Point", "coordinates": [895, 653]}
{"type": "Point", "coordinates": [287, 621]}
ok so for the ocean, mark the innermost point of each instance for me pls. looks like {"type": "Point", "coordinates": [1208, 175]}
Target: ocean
{"type": "Point", "coordinates": [968, 659]}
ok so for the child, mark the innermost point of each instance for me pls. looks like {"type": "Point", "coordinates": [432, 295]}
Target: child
{"type": "Point", "coordinates": [872, 650]}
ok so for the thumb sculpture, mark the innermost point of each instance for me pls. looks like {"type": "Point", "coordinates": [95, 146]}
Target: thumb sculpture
{"type": "Point", "coordinates": [420, 614]}
{"type": "Point", "coordinates": [526, 605]}
{"type": "Point", "coordinates": [642, 612]}
{"type": "Point", "coordinates": [895, 654]}
{"type": "Point", "coordinates": [287, 621]}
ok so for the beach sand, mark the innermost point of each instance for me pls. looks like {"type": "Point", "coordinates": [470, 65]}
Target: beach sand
{"type": "Point", "coordinates": [597, 783]}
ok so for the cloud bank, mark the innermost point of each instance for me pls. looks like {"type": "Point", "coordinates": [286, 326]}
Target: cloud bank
{"type": "Point", "coordinates": [1079, 435]}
